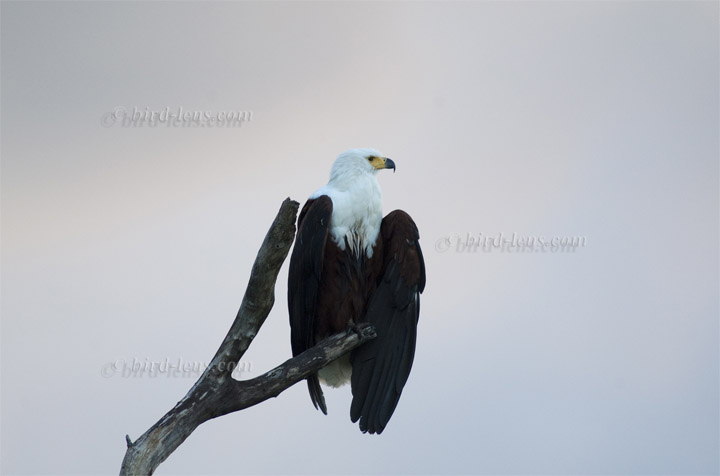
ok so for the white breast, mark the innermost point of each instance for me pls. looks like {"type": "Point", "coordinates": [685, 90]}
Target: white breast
{"type": "Point", "coordinates": [357, 214]}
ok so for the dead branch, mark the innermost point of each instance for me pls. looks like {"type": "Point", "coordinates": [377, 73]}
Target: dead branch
{"type": "Point", "coordinates": [216, 393]}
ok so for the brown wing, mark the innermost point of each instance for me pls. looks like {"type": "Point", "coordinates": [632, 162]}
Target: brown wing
{"type": "Point", "coordinates": [382, 366]}
{"type": "Point", "coordinates": [304, 282]}
{"type": "Point", "coordinates": [328, 288]}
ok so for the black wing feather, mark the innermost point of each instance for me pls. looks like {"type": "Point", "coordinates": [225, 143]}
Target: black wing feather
{"type": "Point", "coordinates": [381, 367]}
{"type": "Point", "coordinates": [306, 267]}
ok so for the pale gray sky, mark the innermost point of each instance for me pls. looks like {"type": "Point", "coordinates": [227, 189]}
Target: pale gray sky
{"type": "Point", "coordinates": [562, 119]}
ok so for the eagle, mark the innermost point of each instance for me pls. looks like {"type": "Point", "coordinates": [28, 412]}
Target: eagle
{"type": "Point", "coordinates": [349, 266]}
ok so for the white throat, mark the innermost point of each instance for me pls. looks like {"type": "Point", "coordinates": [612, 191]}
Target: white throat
{"type": "Point", "coordinates": [357, 210]}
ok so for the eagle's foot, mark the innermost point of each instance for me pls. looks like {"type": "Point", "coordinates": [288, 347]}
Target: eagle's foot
{"type": "Point", "coordinates": [355, 329]}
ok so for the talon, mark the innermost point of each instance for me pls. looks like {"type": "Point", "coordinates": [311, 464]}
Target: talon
{"type": "Point", "coordinates": [355, 329]}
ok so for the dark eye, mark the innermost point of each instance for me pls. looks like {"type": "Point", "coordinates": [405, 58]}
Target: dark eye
{"type": "Point", "coordinates": [370, 159]}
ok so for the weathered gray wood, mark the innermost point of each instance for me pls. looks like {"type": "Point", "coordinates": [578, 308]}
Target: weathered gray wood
{"type": "Point", "coordinates": [251, 392]}
{"type": "Point", "coordinates": [216, 393]}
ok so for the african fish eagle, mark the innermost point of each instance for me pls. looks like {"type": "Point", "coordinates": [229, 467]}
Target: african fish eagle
{"type": "Point", "coordinates": [349, 265]}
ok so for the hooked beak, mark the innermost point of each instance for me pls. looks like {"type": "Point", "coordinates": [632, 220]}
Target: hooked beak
{"type": "Point", "coordinates": [389, 164]}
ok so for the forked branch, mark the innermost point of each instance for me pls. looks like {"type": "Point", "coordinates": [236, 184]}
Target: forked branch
{"type": "Point", "coordinates": [216, 393]}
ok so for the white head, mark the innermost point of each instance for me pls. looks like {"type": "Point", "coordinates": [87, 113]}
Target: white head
{"type": "Point", "coordinates": [354, 163]}
{"type": "Point", "coordinates": [357, 199]}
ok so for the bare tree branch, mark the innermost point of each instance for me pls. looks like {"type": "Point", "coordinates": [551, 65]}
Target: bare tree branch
{"type": "Point", "coordinates": [216, 393]}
